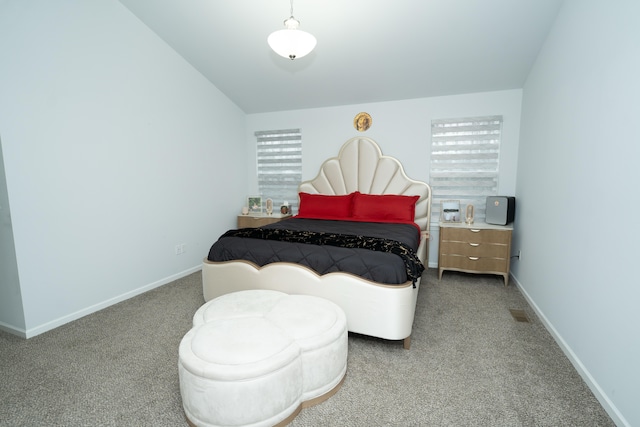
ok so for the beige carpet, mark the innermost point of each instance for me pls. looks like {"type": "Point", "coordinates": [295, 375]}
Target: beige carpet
{"type": "Point", "coordinates": [470, 364]}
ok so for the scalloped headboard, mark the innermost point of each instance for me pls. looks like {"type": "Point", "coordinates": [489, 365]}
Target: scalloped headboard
{"type": "Point", "coordinates": [360, 166]}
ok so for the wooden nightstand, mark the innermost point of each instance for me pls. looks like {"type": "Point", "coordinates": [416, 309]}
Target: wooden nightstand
{"type": "Point", "coordinates": [259, 220]}
{"type": "Point", "coordinates": [476, 248]}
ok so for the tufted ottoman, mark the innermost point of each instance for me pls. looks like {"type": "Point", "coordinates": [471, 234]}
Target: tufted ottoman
{"type": "Point", "coordinates": [257, 357]}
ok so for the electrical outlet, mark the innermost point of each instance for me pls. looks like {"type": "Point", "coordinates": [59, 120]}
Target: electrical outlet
{"type": "Point", "coordinates": [181, 248]}
{"type": "Point", "coordinates": [519, 255]}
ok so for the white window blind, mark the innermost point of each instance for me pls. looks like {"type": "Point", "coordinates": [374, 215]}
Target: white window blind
{"type": "Point", "coordinates": [279, 154]}
{"type": "Point", "coordinates": [464, 162]}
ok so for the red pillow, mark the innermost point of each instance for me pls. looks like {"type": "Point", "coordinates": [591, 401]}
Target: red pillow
{"type": "Point", "coordinates": [384, 207]}
{"type": "Point", "coordinates": [321, 206]}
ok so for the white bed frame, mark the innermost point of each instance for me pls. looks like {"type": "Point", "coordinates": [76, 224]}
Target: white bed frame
{"type": "Point", "coordinates": [384, 311]}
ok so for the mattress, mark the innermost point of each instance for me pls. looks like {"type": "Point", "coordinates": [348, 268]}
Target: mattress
{"type": "Point", "coordinates": [375, 265]}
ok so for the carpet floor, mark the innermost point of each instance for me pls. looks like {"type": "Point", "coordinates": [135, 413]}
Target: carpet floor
{"type": "Point", "coordinates": [470, 364]}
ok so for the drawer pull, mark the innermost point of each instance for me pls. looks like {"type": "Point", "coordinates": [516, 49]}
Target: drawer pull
{"type": "Point", "coordinates": [474, 258]}
{"type": "Point", "coordinates": [474, 244]}
{"type": "Point", "coordinates": [474, 230]}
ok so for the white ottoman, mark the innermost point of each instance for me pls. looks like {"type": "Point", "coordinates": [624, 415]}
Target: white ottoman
{"type": "Point", "coordinates": [257, 357]}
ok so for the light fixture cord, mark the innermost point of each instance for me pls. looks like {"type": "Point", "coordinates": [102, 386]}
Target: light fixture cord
{"type": "Point", "coordinates": [291, 14]}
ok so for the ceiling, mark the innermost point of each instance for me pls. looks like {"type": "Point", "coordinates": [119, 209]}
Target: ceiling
{"type": "Point", "coordinates": [368, 50]}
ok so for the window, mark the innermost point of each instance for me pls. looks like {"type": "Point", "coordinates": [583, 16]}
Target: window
{"type": "Point", "coordinates": [464, 162]}
{"type": "Point", "coordinates": [279, 154]}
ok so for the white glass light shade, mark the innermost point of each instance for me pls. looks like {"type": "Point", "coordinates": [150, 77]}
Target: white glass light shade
{"type": "Point", "coordinates": [291, 42]}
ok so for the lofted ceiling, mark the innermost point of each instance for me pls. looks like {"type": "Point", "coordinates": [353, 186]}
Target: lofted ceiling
{"type": "Point", "coordinates": [368, 50]}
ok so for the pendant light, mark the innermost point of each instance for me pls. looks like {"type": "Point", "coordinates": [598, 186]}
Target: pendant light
{"type": "Point", "coordinates": [291, 42]}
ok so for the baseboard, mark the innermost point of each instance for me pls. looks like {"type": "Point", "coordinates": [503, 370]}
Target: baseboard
{"type": "Point", "coordinates": [595, 388]}
{"type": "Point", "coordinates": [13, 330]}
{"type": "Point", "coordinates": [32, 332]}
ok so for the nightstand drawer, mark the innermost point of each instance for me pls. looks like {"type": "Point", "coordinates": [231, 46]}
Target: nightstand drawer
{"type": "Point", "coordinates": [476, 235]}
{"type": "Point", "coordinates": [475, 249]}
{"type": "Point", "coordinates": [254, 221]}
{"type": "Point", "coordinates": [475, 264]}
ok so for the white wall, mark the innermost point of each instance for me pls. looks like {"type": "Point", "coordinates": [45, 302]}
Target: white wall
{"type": "Point", "coordinates": [577, 193]}
{"type": "Point", "coordinates": [114, 148]}
{"type": "Point", "coordinates": [11, 312]}
{"type": "Point", "coordinates": [401, 128]}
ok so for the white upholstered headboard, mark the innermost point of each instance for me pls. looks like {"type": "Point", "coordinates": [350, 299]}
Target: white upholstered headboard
{"type": "Point", "coordinates": [360, 166]}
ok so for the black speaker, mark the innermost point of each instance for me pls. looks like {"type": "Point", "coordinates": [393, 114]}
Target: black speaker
{"type": "Point", "coordinates": [501, 210]}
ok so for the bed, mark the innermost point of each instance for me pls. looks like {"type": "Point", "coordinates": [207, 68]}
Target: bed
{"type": "Point", "coordinates": [378, 306]}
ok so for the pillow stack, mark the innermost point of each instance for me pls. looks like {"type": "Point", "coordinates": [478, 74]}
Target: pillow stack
{"type": "Point", "coordinates": [358, 207]}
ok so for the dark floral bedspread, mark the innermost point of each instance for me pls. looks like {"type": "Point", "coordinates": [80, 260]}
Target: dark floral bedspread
{"type": "Point", "coordinates": [309, 242]}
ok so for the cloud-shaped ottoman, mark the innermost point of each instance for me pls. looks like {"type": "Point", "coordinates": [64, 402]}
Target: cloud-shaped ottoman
{"type": "Point", "coordinates": [256, 358]}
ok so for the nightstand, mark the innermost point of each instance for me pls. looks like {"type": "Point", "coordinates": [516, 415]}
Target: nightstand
{"type": "Point", "coordinates": [259, 220]}
{"type": "Point", "coordinates": [477, 248]}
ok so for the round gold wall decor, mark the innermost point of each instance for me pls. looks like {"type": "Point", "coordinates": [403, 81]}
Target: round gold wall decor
{"type": "Point", "coordinates": [362, 122]}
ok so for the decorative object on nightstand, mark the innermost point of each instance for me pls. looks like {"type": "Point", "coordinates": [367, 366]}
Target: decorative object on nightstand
{"type": "Point", "coordinates": [255, 204]}
{"type": "Point", "coordinates": [480, 248]}
{"type": "Point", "coordinates": [469, 214]}
{"type": "Point", "coordinates": [450, 211]}
{"type": "Point", "coordinates": [268, 205]}
{"type": "Point", "coordinates": [284, 209]}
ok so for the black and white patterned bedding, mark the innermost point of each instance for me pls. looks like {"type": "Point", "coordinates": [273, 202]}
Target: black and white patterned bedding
{"type": "Point", "coordinates": [379, 266]}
